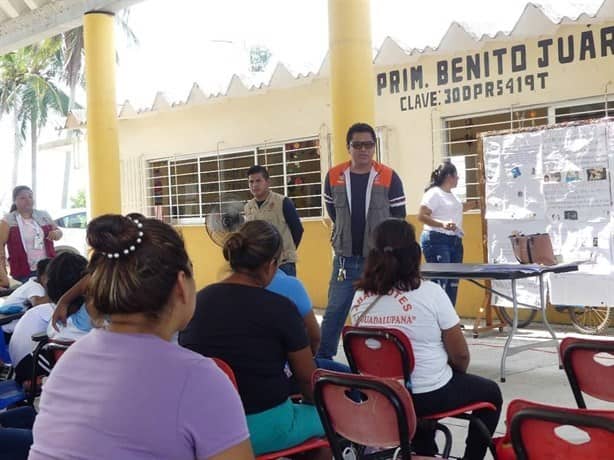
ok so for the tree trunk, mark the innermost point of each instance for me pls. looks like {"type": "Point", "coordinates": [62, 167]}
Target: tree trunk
{"type": "Point", "coordinates": [16, 149]}
{"type": "Point", "coordinates": [67, 168]}
{"type": "Point", "coordinates": [34, 139]}
{"type": "Point", "coordinates": [68, 160]}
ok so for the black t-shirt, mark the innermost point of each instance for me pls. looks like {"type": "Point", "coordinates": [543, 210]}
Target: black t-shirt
{"type": "Point", "coordinates": [359, 196]}
{"type": "Point", "coordinates": [253, 330]}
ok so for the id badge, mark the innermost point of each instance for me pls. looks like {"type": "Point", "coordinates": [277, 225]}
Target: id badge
{"type": "Point", "coordinates": [38, 241]}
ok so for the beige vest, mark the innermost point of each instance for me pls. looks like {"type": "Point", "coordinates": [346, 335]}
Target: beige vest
{"type": "Point", "coordinates": [272, 212]}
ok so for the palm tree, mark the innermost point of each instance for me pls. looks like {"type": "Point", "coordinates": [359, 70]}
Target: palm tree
{"type": "Point", "coordinates": [12, 69]}
{"type": "Point", "coordinates": [28, 79]}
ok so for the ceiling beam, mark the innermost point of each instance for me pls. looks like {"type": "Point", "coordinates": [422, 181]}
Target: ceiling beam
{"type": "Point", "coordinates": [50, 19]}
{"type": "Point", "coordinates": [31, 4]}
{"type": "Point", "coordinates": [8, 8]}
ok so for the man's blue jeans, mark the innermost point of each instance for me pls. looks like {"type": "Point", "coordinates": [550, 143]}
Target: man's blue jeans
{"type": "Point", "coordinates": [289, 268]}
{"type": "Point", "coordinates": [438, 247]}
{"type": "Point", "coordinates": [340, 295]}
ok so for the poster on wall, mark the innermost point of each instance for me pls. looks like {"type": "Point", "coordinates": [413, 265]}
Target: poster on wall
{"type": "Point", "coordinates": [555, 180]}
{"type": "Point", "coordinates": [513, 176]}
{"type": "Point", "coordinates": [575, 174]}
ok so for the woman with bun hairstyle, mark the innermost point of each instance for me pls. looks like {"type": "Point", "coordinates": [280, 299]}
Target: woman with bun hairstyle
{"type": "Point", "coordinates": [392, 294]}
{"type": "Point", "coordinates": [124, 391]}
{"type": "Point", "coordinates": [28, 235]}
{"type": "Point", "coordinates": [257, 332]}
{"type": "Point", "coordinates": [441, 212]}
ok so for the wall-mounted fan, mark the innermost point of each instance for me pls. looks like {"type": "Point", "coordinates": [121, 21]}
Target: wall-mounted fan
{"type": "Point", "coordinates": [228, 219]}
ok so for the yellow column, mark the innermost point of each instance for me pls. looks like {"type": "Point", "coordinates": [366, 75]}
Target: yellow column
{"type": "Point", "coordinates": [351, 70]}
{"type": "Point", "coordinates": [102, 132]}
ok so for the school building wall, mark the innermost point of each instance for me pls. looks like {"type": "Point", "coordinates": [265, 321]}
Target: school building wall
{"type": "Point", "coordinates": [411, 132]}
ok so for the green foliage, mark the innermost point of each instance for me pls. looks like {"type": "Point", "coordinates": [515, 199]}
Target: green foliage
{"type": "Point", "coordinates": [78, 200]}
{"type": "Point", "coordinates": [27, 84]}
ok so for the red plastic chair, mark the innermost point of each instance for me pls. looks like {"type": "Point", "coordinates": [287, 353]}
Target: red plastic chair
{"type": "Point", "coordinates": [387, 352]}
{"type": "Point", "coordinates": [540, 432]}
{"type": "Point", "coordinates": [383, 418]}
{"type": "Point", "coordinates": [585, 374]}
{"type": "Point", "coordinates": [223, 365]}
{"type": "Point", "coordinates": [306, 446]}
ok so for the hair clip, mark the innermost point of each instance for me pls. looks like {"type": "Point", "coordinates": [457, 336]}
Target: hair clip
{"type": "Point", "coordinates": [132, 247]}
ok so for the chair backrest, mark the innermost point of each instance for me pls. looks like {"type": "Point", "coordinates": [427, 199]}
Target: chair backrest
{"type": "Point", "coordinates": [58, 347]}
{"type": "Point", "coordinates": [585, 373]}
{"type": "Point", "coordinates": [540, 432]}
{"type": "Point", "coordinates": [382, 352]}
{"type": "Point", "coordinates": [223, 365]}
{"type": "Point", "coordinates": [383, 415]}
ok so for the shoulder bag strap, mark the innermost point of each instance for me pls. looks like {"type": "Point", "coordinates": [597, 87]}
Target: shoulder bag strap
{"type": "Point", "coordinates": [367, 310]}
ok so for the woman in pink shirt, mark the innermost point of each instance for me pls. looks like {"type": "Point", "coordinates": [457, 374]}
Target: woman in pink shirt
{"type": "Point", "coordinates": [28, 235]}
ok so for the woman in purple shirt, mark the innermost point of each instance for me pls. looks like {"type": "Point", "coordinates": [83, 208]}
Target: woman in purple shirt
{"type": "Point", "coordinates": [126, 392]}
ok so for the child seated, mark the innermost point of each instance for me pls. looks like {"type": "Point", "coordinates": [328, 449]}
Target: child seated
{"type": "Point", "coordinates": [63, 272]}
{"type": "Point", "coordinates": [31, 293]}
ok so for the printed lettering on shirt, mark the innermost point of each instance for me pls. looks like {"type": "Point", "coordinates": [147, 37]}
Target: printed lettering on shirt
{"type": "Point", "coordinates": [372, 318]}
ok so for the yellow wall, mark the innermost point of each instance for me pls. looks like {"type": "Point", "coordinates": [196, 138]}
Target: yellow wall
{"type": "Point", "coordinates": [301, 109]}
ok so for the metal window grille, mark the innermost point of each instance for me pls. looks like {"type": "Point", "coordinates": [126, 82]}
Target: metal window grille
{"type": "Point", "coordinates": [584, 112]}
{"type": "Point", "coordinates": [186, 189]}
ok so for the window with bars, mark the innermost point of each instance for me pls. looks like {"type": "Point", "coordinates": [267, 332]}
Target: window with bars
{"type": "Point", "coordinates": [186, 190]}
{"type": "Point", "coordinates": [583, 112]}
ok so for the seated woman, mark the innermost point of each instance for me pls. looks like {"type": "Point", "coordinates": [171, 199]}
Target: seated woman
{"type": "Point", "coordinates": [391, 293]}
{"type": "Point", "coordinates": [31, 293]}
{"type": "Point", "coordinates": [292, 288]}
{"type": "Point", "coordinates": [256, 332]}
{"type": "Point", "coordinates": [126, 391]}
{"type": "Point", "coordinates": [63, 272]}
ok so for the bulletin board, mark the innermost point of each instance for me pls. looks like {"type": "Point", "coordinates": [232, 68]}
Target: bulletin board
{"type": "Point", "coordinates": [555, 179]}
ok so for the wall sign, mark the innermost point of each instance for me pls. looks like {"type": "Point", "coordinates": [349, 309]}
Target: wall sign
{"type": "Point", "coordinates": [497, 72]}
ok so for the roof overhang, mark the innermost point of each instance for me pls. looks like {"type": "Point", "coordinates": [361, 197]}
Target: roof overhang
{"type": "Point", "coordinates": [23, 22]}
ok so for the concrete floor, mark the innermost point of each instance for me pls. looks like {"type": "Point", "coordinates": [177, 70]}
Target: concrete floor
{"type": "Point", "coordinates": [533, 374]}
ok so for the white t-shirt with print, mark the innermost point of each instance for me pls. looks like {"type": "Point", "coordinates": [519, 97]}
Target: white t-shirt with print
{"type": "Point", "coordinates": [421, 314]}
{"type": "Point", "coordinates": [444, 206]}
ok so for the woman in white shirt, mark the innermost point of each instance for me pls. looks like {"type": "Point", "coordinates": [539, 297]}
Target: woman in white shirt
{"type": "Point", "coordinates": [422, 310]}
{"type": "Point", "coordinates": [441, 212]}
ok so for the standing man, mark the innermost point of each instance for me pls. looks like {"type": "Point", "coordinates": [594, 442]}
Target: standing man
{"type": "Point", "coordinates": [277, 210]}
{"type": "Point", "coordinates": [359, 195]}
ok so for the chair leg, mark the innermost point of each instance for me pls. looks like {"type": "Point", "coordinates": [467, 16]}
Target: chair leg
{"type": "Point", "coordinates": [447, 447]}
{"type": "Point", "coordinates": [486, 434]}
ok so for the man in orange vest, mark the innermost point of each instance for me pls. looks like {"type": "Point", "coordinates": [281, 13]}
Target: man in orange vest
{"type": "Point", "coordinates": [359, 194]}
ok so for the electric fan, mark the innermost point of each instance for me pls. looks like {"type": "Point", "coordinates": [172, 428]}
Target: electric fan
{"type": "Point", "coordinates": [228, 219]}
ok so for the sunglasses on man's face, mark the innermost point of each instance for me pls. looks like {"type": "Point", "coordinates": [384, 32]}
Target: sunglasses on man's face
{"type": "Point", "coordinates": [367, 145]}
